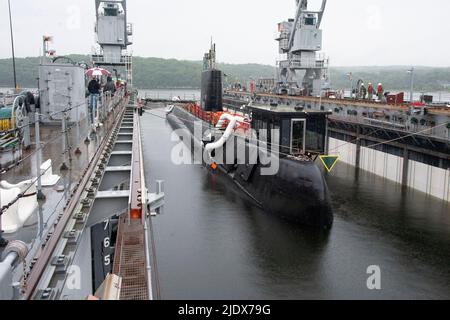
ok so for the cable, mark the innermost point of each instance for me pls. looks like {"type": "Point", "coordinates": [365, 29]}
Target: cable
{"type": "Point", "coordinates": [352, 141]}
{"type": "Point", "coordinates": [23, 193]}
{"type": "Point", "coordinates": [240, 136]}
{"type": "Point", "coordinates": [43, 145]}
{"type": "Point", "coordinates": [49, 117]}
{"type": "Point", "coordinates": [407, 136]}
{"type": "Point", "coordinates": [42, 117]}
{"type": "Point", "coordinates": [69, 128]}
{"type": "Point", "coordinates": [346, 143]}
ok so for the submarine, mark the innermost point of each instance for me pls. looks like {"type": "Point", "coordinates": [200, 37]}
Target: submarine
{"type": "Point", "coordinates": [268, 151]}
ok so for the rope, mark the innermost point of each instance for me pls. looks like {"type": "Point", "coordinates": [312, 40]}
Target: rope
{"type": "Point", "coordinates": [346, 143]}
{"type": "Point", "coordinates": [253, 139]}
{"type": "Point", "coordinates": [407, 136]}
{"type": "Point", "coordinates": [42, 117]}
{"type": "Point", "coordinates": [21, 195]}
{"type": "Point", "coordinates": [239, 136]}
{"type": "Point", "coordinates": [43, 146]}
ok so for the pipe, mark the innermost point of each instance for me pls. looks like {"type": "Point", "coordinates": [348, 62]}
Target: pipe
{"type": "Point", "coordinates": [9, 261]}
{"type": "Point", "coordinates": [147, 258]}
{"type": "Point", "coordinates": [14, 253]}
{"type": "Point", "coordinates": [6, 277]}
{"type": "Point", "coordinates": [219, 143]}
{"type": "Point", "coordinates": [170, 109]}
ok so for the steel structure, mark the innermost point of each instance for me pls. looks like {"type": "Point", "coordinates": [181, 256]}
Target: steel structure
{"type": "Point", "coordinates": [113, 36]}
{"type": "Point", "coordinates": [300, 40]}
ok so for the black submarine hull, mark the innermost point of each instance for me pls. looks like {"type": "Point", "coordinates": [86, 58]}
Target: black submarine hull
{"type": "Point", "coordinates": [297, 192]}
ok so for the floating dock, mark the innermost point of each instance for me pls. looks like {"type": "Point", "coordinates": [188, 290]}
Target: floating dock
{"type": "Point", "coordinates": [410, 146]}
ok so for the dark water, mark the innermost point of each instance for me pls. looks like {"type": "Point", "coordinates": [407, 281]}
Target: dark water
{"type": "Point", "coordinates": [213, 244]}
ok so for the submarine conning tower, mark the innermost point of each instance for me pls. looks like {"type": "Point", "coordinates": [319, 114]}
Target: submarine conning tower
{"type": "Point", "coordinates": [211, 93]}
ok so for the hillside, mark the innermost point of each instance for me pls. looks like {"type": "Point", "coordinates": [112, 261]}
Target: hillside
{"type": "Point", "coordinates": [159, 73]}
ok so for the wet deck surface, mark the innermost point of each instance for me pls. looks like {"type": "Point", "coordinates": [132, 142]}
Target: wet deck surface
{"type": "Point", "coordinates": [39, 223]}
{"type": "Point", "coordinates": [212, 243]}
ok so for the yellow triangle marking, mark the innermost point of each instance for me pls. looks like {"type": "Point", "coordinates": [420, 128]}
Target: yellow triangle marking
{"type": "Point", "coordinates": [329, 162]}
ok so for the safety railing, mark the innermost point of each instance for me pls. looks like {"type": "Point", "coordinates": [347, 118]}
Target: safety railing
{"type": "Point", "coordinates": [170, 96]}
{"type": "Point", "coordinates": [129, 29]}
{"type": "Point", "coordinates": [406, 124]}
{"type": "Point", "coordinates": [8, 98]}
{"type": "Point", "coordinates": [98, 57]}
{"type": "Point", "coordinates": [304, 63]}
{"type": "Point", "coordinates": [105, 103]}
{"type": "Point", "coordinates": [28, 192]}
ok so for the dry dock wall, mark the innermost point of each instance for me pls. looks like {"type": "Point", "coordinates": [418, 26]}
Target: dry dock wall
{"type": "Point", "coordinates": [431, 180]}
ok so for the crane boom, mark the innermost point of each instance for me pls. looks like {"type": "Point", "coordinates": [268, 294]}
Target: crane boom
{"type": "Point", "coordinates": [301, 5]}
{"type": "Point", "coordinates": [322, 10]}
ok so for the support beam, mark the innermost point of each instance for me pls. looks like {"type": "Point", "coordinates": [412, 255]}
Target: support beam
{"type": "Point", "coordinates": [107, 205]}
{"type": "Point", "coordinates": [405, 167]}
{"type": "Point", "coordinates": [358, 148]}
{"type": "Point", "coordinates": [394, 144]}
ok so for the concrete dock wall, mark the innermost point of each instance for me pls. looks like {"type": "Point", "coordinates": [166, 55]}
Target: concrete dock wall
{"type": "Point", "coordinates": [431, 180]}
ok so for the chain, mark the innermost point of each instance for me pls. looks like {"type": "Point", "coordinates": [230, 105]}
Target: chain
{"type": "Point", "coordinates": [23, 282]}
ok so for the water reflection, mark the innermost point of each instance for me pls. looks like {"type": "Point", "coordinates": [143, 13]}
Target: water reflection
{"type": "Point", "coordinates": [213, 243]}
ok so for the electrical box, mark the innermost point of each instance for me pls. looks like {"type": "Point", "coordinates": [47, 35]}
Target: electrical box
{"type": "Point", "coordinates": [397, 98]}
{"type": "Point", "coordinates": [62, 86]}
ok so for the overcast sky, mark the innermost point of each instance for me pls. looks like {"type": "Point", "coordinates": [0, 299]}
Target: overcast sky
{"type": "Point", "coordinates": [356, 32]}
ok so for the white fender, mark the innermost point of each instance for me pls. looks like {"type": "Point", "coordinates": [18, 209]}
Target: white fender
{"type": "Point", "coordinates": [22, 185]}
{"type": "Point", "coordinates": [229, 130]}
{"type": "Point", "coordinates": [48, 179]}
{"type": "Point", "coordinates": [20, 212]}
{"type": "Point", "coordinates": [170, 109]}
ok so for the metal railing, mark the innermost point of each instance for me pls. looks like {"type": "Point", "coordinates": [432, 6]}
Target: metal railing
{"type": "Point", "coordinates": [129, 29]}
{"type": "Point", "coordinates": [170, 96]}
{"type": "Point", "coordinates": [319, 61]}
{"type": "Point", "coordinates": [405, 126]}
{"type": "Point", "coordinates": [105, 104]}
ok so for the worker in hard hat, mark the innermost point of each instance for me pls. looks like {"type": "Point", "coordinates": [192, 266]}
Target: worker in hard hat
{"type": "Point", "coordinates": [363, 91]}
{"type": "Point", "coordinates": [371, 91]}
{"type": "Point", "coordinates": [380, 91]}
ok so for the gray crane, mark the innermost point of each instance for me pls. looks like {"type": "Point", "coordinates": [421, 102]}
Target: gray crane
{"type": "Point", "coordinates": [299, 41]}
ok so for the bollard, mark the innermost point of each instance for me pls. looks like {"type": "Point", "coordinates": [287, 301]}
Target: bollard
{"type": "Point", "coordinates": [159, 186]}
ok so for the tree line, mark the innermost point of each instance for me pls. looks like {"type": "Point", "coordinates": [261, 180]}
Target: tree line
{"type": "Point", "coordinates": [157, 73]}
